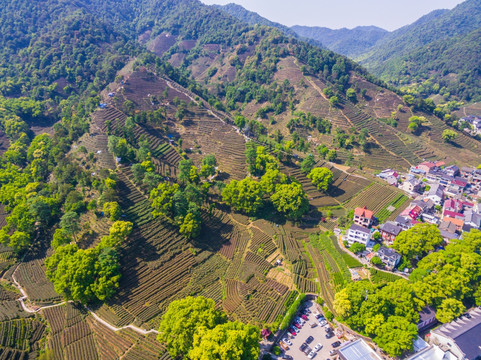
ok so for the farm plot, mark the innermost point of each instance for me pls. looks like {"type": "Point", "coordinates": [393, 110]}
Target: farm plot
{"type": "Point", "coordinates": [376, 197]}
{"type": "Point", "coordinates": [393, 209]}
{"type": "Point", "coordinates": [209, 135]}
{"type": "Point", "coordinates": [20, 337]}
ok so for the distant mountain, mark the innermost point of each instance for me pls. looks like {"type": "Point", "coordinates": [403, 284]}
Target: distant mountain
{"type": "Point", "coordinates": [253, 18]}
{"type": "Point", "coordinates": [349, 42]}
{"type": "Point", "coordinates": [442, 46]}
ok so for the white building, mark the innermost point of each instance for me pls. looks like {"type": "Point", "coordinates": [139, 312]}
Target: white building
{"type": "Point", "coordinates": [358, 234]}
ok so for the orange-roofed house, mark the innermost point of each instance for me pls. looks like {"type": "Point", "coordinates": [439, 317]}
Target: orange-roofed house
{"type": "Point", "coordinates": [363, 217]}
{"type": "Point", "coordinates": [458, 222]}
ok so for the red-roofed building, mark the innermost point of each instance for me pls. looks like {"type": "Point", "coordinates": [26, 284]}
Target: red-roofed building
{"type": "Point", "coordinates": [453, 214]}
{"type": "Point", "coordinates": [427, 167]}
{"type": "Point", "coordinates": [363, 217]}
{"type": "Point", "coordinates": [415, 212]}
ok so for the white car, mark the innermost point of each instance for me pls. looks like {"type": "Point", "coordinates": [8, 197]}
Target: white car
{"type": "Point", "coordinates": [287, 341]}
{"type": "Point", "coordinates": [317, 347]}
{"type": "Point", "coordinates": [311, 354]}
{"type": "Point", "coordinates": [323, 323]}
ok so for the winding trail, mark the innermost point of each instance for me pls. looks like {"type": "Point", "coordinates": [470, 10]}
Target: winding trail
{"type": "Point", "coordinates": [34, 309]}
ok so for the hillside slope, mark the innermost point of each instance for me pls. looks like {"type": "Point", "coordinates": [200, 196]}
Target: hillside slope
{"type": "Point", "coordinates": [348, 42]}
{"type": "Point", "coordinates": [405, 56]}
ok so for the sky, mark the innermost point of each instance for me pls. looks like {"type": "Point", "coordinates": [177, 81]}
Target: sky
{"type": "Point", "coordinates": [335, 14]}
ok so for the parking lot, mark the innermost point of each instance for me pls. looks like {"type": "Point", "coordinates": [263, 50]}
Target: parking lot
{"type": "Point", "coordinates": [318, 333]}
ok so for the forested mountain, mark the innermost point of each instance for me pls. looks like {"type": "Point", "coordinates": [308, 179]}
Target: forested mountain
{"type": "Point", "coordinates": [350, 42]}
{"type": "Point", "coordinates": [252, 18]}
{"type": "Point", "coordinates": [441, 47]}
{"type": "Point", "coordinates": [166, 166]}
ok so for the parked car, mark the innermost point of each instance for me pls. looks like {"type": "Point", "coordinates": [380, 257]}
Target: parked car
{"type": "Point", "coordinates": [322, 322]}
{"type": "Point", "coordinates": [292, 332]}
{"type": "Point", "coordinates": [336, 344]}
{"type": "Point", "coordinates": [309, 339]}
{"type": "Point", "coordinates": [303, 346]}
{"type": "Point", "coordinates": [329, 335]}
{"type": "Point", "coordinates": [287, 357]}
{"type": "Point", "coordinates": [283, 345]}
{"type": "Point", "coordinates": [287, 341]}
{"type": "Point", "coordinates": [313, 324]}
{"type": "Point", "coordinates": [318, 347]}
{"type": "Point", "coordinates": [304, 317]}
{"type": "Point", "coordinates": [311, 354]}
{"type": "Point", "coordinates": [307, 350]}
{"type": "Point", "coordinates": [297, 325]}
{"type": "Point", "coordinates": [328, 329]}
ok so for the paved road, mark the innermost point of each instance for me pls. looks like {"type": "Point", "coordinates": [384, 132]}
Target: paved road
{"type": "Point", "coordinates": [319, 335]}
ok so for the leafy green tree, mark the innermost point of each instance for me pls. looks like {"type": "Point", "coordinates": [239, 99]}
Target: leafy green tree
{"type": "Point", "coordinates": [417, 241]}
{"type": "Point", "coordinates": [357, 248]}
{"type": "Point", "coordinates": [70, 222]}
{"type": "Point", "coordinates": [449, 135]}
{"type": "Point", "coordinates": [113, 210]}
{"type": "Point", "coordinates": [271, 179]}
{"type": "Point", "coordinates": [191, 226]}
{"type": "Point", "coordinates": [245, 195]}
{"type": "Point", "coordinates": [334, 101]}
{"type": "Point", "coordinates": [183, 319]}
{"type": "Point", "coordinates": [321, 177]}
{"type": "Point", "coordinates": [162, 199]}
{"type": "Point", "coordinates": [290, 200]}
{"type": "Point", "coordinates": [308, 163]}
{"type": "Point", "coordinates": [185, 167]}
{"type": "Point", "coordinates": [376, 260]}
{"type": "Point", "coordinates": [331, 155]}
{"type": "Point", "coordinates": [60, 238]}
{"type": "Point", "coordinates": [396, 335]}
{"type": "Point", "coordinates": [232, 340]}
{"type": "Point", "coordinates": [351, 95]}
{"type": "Point", "coordinates": [449, 310]}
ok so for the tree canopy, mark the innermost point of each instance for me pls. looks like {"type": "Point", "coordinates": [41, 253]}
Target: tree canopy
{"type": "Point", "coordinates": [321, 177]}
{"type": "Point", "coordinates": [290, 200]}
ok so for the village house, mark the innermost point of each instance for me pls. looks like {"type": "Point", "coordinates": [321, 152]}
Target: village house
{"type": "Point", "coordinates": [412, 185]}
{"type": "Point", "coordinates": [389, 231]}
{"type": "Point", "coordinates": [460, 337]}
{"type": "Point", "coordinates": [472, 219]}
{"type": "Point", "coordinates": [363, 217]}
{"type": "Point", "coordinates": [467, 172]}
{"type": "Point", "coordinates": [389, 257]}
{"type": "Point", "coordinates": [390, 176]}
{"type": "Point", "coordinates": [458, 222]}
{"type": "Point", "coordinates": [427, 167]}
{"type": "Point", "coordinates": [403, 222]}
{"type": "Point", "coordinates": [434, 176]}
{"type": "Point", "coordinates": [427, 318]}
{"type": "Point", "coordinates": [359, 234]}
{"type": "Point", "coordinates": [436, 194]}
{"type": "Point", "coordinates": [452, 170]}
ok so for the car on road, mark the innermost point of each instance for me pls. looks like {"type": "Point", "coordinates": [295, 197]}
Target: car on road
{"type": "Point", "coordinates": [311, 354]}
{"type": "Point", "coordinates": [309, 340]}
{"type": "Point", "coordinates": [287, 341]}
{"type": "Point", "coordinates": [318, 347]}
{"type": "Point", "coordinates": [336, 344]}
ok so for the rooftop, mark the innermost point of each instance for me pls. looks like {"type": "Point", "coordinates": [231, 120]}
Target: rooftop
{"type": "Point", "coordinates": [465, 332]}
{"type": "Point", "coordinates": [391, 228]}
{"type": "Point", "coordinates": [355, 227]}
{"type": "Point", "coordinates": [357, 350]}
{"type": "Point", "coordinates": [384, 251]}
{"type": "Point", "coordinates": [364, 212]}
